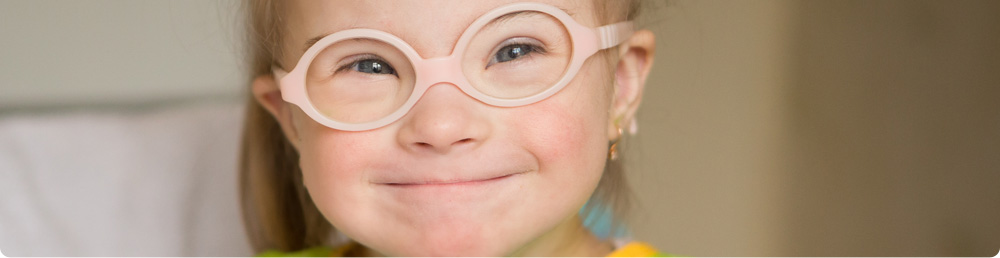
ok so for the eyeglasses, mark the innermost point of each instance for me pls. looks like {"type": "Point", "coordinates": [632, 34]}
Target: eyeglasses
{"type": "Point", "coordinates": [514, 55]}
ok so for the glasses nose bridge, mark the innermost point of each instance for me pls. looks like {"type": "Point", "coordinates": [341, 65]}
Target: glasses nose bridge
{"type": "Point", "coordinates": [444, 69]}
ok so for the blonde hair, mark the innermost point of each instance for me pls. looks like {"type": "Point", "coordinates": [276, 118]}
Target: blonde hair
{"type": "Point", "coordinates": [277, 210]}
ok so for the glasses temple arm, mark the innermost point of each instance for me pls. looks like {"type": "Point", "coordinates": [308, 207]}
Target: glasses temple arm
{"type": "Point", "coordinates": [613, 34]}
{"type": "Point", "coordinates": [278, 72]}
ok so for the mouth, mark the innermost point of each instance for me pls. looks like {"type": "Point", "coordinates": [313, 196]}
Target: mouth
{"type": "Point", "coordinates": [455, 182]}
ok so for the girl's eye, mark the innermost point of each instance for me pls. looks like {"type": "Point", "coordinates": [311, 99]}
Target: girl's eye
{"type": "Point", "coordinates": [513, 52]}
{"type": "Point", "coordinates": [373, 66]}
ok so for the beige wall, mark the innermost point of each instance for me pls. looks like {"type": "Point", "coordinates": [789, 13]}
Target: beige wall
{"type": "Point", "coordinates": [63, 53]}
{"type": "Point", "coordinates": [822, 128]}
{"type": "Point", "coordinates": [896, 129]}
{"type": "Point", "coordinates": [706, 159]}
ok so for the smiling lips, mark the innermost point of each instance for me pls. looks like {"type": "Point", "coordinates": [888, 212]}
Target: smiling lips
{"type": "Point", "coordinates": [459, 182]}
{"type": "Point", "coordinates": [450, 171]}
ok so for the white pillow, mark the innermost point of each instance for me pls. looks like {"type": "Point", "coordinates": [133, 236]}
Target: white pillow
{"type": "Point", "coordinates": [155, 182]}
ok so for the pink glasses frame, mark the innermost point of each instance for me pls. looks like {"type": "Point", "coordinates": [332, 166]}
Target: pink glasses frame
{"type": "Point", "coordinates": [447, 69]}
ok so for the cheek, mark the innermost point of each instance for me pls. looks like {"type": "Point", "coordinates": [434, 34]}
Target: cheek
{"type": "Point", "coordinates": [552, 132]}
{"type": "Point", "coordinates": [334, 153]}
{"type": "Point", "coordinates": [567, 133]}
{"type": "Point", "coordinates": [333, 164]}
{"type": "Point", "coordinates": [570, 125]}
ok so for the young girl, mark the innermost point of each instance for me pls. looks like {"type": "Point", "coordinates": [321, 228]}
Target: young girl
{"type": "Point", "coordinates": [420, 128]}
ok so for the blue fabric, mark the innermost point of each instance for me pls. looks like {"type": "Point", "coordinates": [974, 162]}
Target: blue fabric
{"type": "Point", "coordinates": [599, 221]}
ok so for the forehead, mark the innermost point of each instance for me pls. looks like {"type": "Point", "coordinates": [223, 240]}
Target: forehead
{"type": "Point", "coordinates": [430, 26]}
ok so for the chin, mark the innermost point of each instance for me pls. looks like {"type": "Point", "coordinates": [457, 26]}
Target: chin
{"type": "Point", "coordinates": [456, 248]}
{"type": "Point", "coordinates": [451, 241]}
{"type": "Point", "coordinates": [450, 247]}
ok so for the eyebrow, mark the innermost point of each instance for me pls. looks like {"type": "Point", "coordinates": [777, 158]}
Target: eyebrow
{"type": "Point", "coordinates": [312, 41]}
{"type": "Point", "coordinates": [519, 14]}
{"type": "Point", "coordinates": [507, 17]}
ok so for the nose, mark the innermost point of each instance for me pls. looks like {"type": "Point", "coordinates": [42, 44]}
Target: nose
{"type": "Point", "coordinates": [444, 120]}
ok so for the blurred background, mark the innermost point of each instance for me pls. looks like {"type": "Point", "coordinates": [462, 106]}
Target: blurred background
{"type": "Point", "coordinates": [769, 128]}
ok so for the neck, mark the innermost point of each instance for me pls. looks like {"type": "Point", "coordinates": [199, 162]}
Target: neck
{"type": "Point", "coordinates": [569, 238]}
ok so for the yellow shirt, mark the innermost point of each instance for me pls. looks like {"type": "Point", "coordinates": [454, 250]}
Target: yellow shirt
{"type": "Point", "coordinates": [632, 249]}
{"type": "Point", "coordinates": [637, 249]}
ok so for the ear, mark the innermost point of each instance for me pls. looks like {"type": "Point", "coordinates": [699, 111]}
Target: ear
{"type": "Point", "coordinates": [268, 95]}
{"type": "Point", "coordinates": [635, 58]}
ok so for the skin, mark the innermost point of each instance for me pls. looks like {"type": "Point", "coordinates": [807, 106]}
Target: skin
{"type": "Point", "coordinates": [450, 148]}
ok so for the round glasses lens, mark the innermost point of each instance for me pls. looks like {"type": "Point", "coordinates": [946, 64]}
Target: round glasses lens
{"type": "Point", "coordinates": [359, 80]}
{"type": "Point", "coordinates": [518, 55]}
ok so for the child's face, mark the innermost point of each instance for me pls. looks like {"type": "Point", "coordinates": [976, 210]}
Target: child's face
{"type": "Point", "coordinates": [454, 176]}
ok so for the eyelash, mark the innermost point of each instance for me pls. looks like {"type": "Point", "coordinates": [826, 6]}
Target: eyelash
{"type": "Point", "coordinates": [357, 59]}
{"type": "Point", "coordinates": [533, 46]}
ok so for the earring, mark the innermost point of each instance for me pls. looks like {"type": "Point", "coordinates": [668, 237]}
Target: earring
{"type": "Point", "coordinates": [613, 150]}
